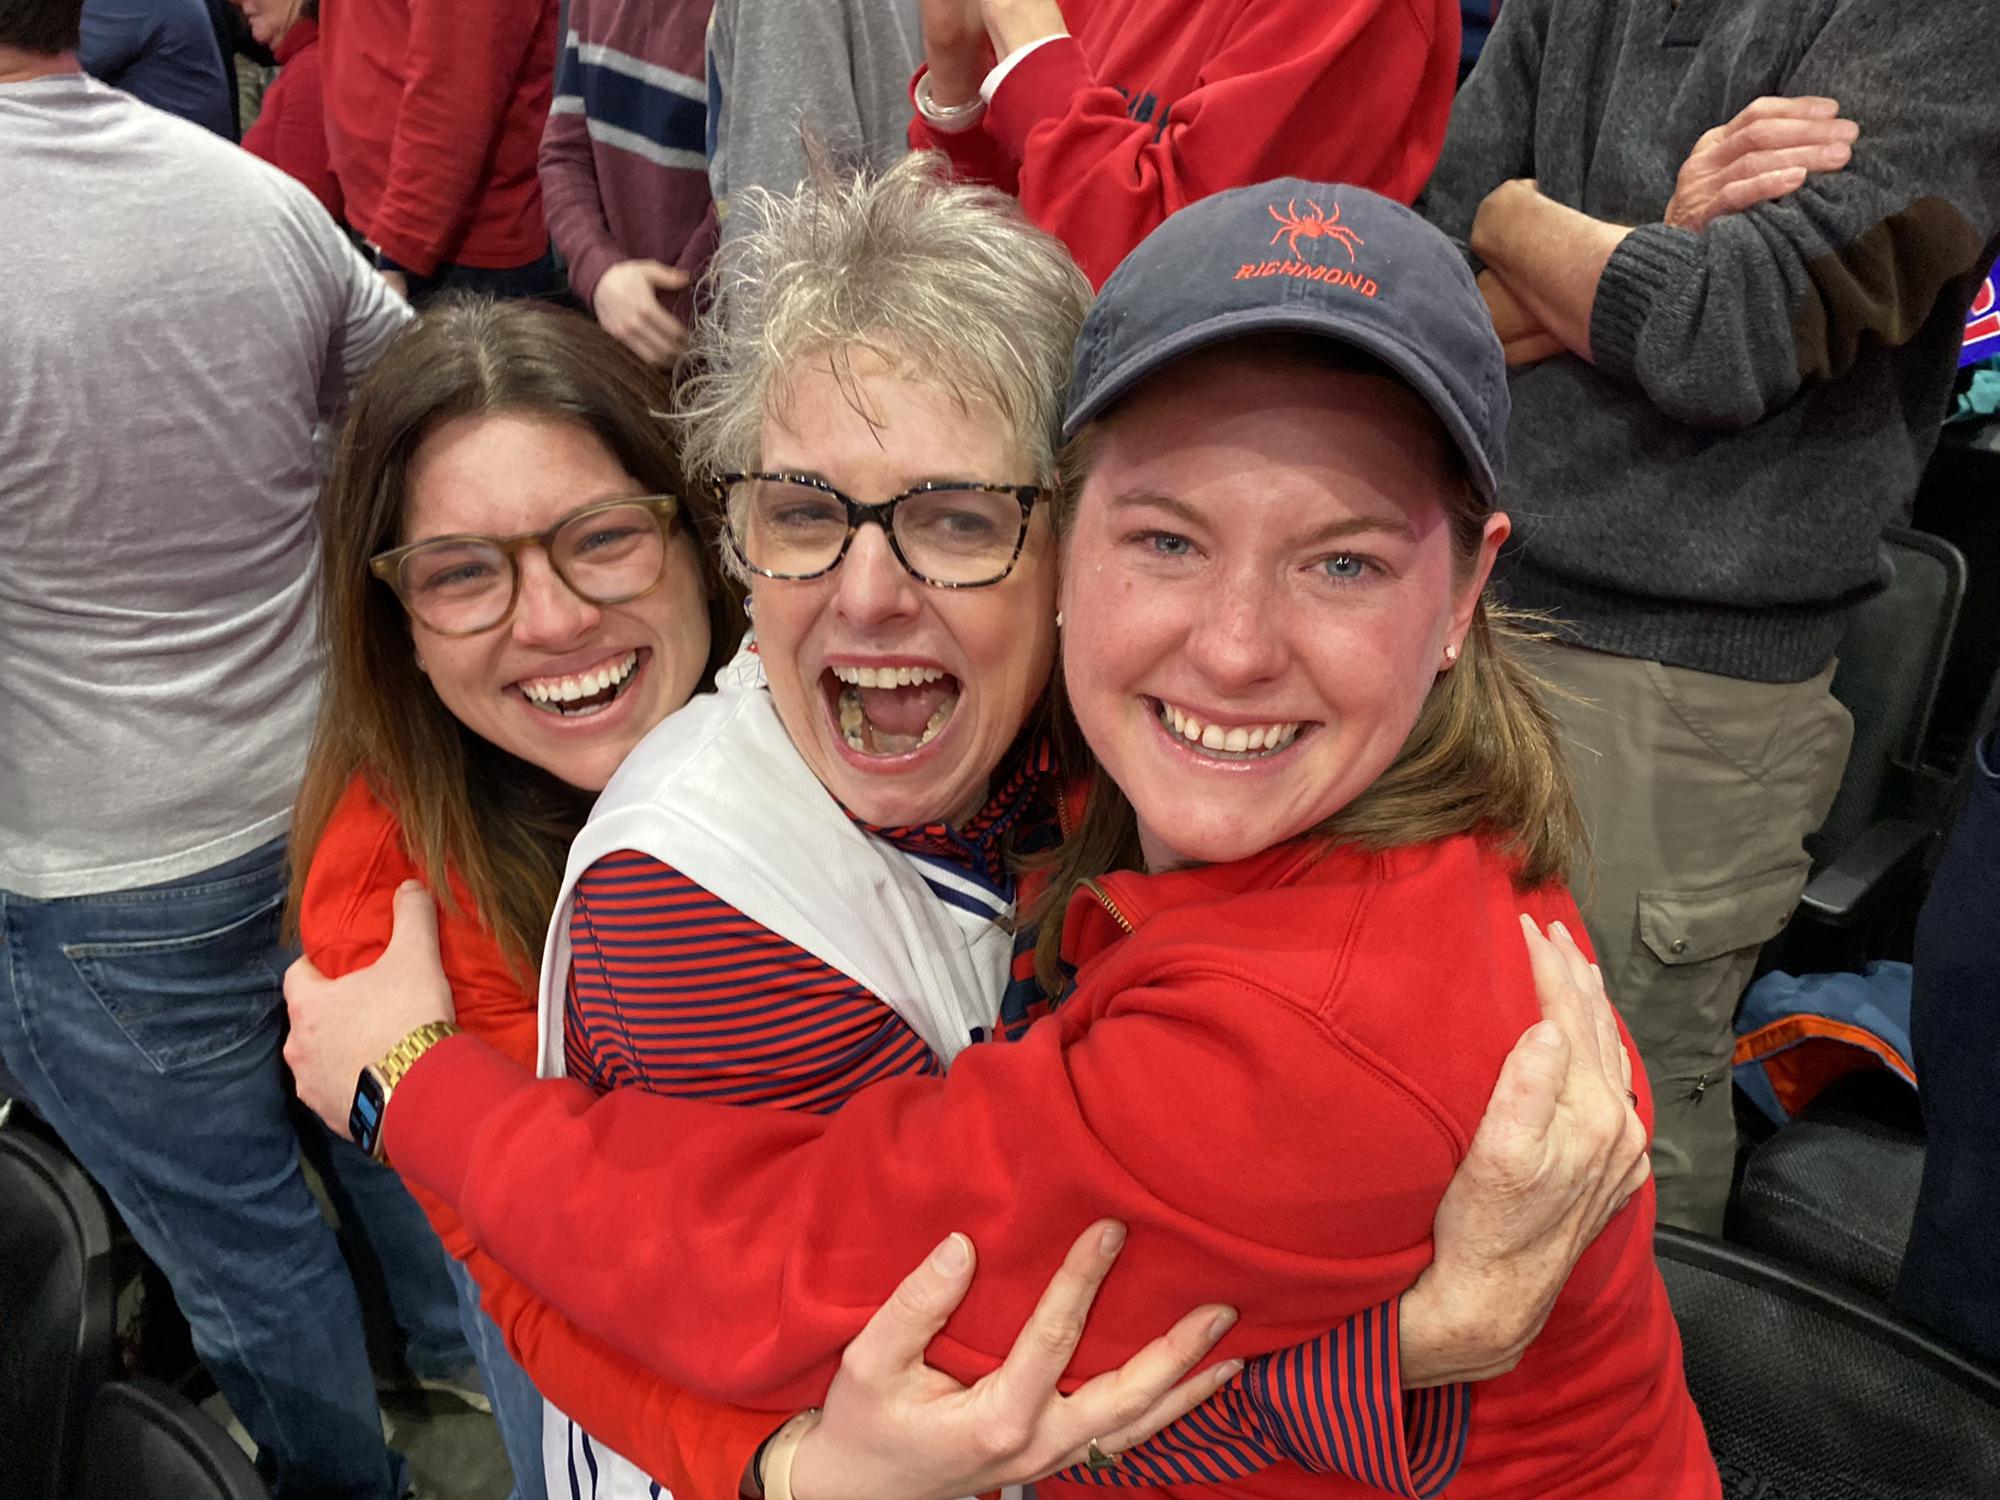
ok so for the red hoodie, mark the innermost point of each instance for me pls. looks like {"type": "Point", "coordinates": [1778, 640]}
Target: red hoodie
{"type": "Point", "coordinates": [290, 129]}
{"type": "Point", "coordinates": [1271, 1081]}
{"type": "Point", "coordinates": [434, 112]}
{"type": "Point", "coordinates": [1156, 103]}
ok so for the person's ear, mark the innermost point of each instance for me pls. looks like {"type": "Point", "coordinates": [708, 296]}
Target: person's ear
{"type": "Point", "coordinates": [1473, 585]}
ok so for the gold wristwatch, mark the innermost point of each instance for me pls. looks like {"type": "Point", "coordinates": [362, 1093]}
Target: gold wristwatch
{"type": "Point", "coordinates": [378, 1081]}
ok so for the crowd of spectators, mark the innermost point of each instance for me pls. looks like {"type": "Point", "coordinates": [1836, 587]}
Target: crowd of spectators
{"type": "Point", "coordinates": [1717, 265]}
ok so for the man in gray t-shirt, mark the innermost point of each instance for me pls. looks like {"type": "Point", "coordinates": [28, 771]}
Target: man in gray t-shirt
{"type": "Point", "coordinates": [182, 321]}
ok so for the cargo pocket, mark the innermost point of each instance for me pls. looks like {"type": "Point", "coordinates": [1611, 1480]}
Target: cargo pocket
{"type": "Point", "coordinates": [184, 1000]}
{"type": "Point", "coordinates": [1691, 927]}
{"type": "Point", "coordinates": [1706, 941]}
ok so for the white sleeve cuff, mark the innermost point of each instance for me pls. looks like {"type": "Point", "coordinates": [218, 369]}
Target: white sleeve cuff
{"type": "Point", "coordinates": [1012, 61]}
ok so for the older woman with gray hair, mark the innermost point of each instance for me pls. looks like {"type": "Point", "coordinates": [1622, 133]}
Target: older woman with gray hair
{"type": "Point", "coordinates": [802, 887]}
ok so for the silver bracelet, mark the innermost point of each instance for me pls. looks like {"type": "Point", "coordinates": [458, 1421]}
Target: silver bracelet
{"type": "Point", "coordinates": [951, 116]}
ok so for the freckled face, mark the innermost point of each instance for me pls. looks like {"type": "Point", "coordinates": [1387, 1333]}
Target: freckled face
{"type": "Point", "coordinates": [1258, 590]}
{"type": "Point", "coordinates": [564, 684]}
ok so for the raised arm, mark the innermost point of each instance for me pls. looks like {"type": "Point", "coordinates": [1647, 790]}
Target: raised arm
{"type": "Point", "coordinates": [1357, 92]}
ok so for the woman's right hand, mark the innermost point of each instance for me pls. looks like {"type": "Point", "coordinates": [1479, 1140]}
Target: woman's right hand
{"type": "Point", "coordinates": [1560, 1150]}
{"type": "Point", "coordinates": [893, 1428]}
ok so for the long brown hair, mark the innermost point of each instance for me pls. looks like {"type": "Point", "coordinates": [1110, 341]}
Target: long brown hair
{"type": "Point", "coordinates": [1485, 754]}
{"type": "Point", "coordinates": [467, 807]}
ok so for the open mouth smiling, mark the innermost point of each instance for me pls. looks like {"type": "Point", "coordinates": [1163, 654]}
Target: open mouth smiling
{"type": "Point", "coordinates": [582, 694]}
{"type": "Point", "coordinates": [1228, 742]}
{"type": "Point", "coordinates": [889, 709]}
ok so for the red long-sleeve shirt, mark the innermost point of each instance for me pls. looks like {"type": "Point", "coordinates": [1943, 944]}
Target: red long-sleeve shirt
{"type": "Point", "coordinates": [1270, 1081]}
{"type": "Point", "coordinates": [290, 129]}
{"type": "Point", "coordinates": [1152, 104]}
{"type": "Point", "coordinates": [434, 113]}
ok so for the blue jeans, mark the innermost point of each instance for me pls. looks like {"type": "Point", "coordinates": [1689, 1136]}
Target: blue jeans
{"type": "Point", "coordinates": [517, 1405]}
{"type": "Point", "coordinates": [145, 1026]}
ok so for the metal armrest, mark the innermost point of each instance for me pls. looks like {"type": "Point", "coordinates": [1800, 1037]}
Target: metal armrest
{"type": "Point", "coordinates": [1847, 884]}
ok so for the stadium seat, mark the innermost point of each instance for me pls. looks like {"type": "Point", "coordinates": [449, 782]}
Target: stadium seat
{"type": "Point", "coordinates": [144, 1441]}
{"type": "Point", "coordinates": [1890, 806]}
{"type": "Point", "coordinates": [1834, 1191]}
{"type": "Point", "coordinates": [56, 1307]}
{"type": "Point", "coordinates": [1811, 1392]}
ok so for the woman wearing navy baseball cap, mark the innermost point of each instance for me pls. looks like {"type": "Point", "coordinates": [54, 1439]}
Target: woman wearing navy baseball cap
{"type": "Point", "coordinates": [1287, 932]}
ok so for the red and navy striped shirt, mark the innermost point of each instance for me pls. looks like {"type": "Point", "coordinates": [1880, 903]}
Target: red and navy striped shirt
{"type": "Point", "coordinates": [674, 991]}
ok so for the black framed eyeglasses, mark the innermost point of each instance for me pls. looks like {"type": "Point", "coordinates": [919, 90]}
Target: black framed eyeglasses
{"type": "Point", "coordinates": [950, 534]}
{"type": "Point", "coordinates": [605, 553]}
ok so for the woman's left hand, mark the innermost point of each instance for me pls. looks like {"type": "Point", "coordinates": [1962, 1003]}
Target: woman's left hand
{"type": "Point", "coordinates": [1559, 1152]}
{"type": "Point", "coordinates": [893, 1428]}
{"type": "Point", "coordinates": [340, 1026]}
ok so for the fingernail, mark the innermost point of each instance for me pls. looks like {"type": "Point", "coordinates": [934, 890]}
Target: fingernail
{"type": "Point", "coordinates": [1546, 1034]}
{"type": "Point", "coordinates": [1228, 1370]}
{"type": "Point", "coordinates": [410, 888]}
{"type": "Point", "coordinates": [1112, 1240]}
{"type": "Point", "coordinates": [1558, 929]}
{"type": "Point", "coordinates": [1221, 1323]}
{"type": "Point", "coordinates": [952, 1256]}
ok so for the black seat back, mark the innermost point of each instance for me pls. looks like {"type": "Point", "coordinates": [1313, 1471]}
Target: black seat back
{"type": "Point", "coordinates": [56, 1307]}
{"type": "Point", "coordinates": [1892, 658]}
{"type": "Point", "coordinates": [144, 1441]}
{"type": "Point", "coordinates": [1810, 1392]}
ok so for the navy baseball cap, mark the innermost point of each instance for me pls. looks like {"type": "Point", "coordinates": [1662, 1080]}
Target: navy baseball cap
{"type": "Point", "coordinates": [1315, 258]}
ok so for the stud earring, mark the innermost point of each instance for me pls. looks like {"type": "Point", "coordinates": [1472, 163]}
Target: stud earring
{"type": "Point", "coordinates": [1059, 619]}
{"type": "Point", "coordinates": [1451, 656]}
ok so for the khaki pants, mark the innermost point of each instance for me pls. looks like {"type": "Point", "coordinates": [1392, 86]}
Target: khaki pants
{"type": "Point", "coordinates": [1699, 792]}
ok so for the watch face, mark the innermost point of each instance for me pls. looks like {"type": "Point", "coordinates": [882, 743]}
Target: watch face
{"type": "Point", "coordinates": [364, 1116]}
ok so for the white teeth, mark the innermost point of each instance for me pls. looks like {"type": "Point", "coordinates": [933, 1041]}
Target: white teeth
{"type": "Point", "coordinates": [1243, 739]}
{"type": "Point", "coordinates": [546, 690]}
{"type": "Point", "coordinates": [887, 677]}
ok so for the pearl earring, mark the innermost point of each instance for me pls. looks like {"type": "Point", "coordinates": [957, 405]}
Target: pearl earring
{"type": "Point", "coordinates": [1059, 619]}
{"type": "Point", "coordinates": [1450, 656]}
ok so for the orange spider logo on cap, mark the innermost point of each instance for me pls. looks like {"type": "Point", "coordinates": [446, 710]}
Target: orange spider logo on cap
{"type": "Point", "coordinates": [1320, 226]}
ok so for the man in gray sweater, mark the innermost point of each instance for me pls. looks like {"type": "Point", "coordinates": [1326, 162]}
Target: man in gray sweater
{"type": "Point", "coordinates": [181, 319]}
{"type": "Point", "coordinates": [1733, 305]}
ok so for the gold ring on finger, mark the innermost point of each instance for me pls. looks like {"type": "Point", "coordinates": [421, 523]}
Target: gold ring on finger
{"type": "Point", "coordinates": [1096, 1459]}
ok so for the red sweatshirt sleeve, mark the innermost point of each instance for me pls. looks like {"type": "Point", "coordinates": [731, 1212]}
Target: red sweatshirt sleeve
{"type": "Point", "coordinates": [1357, 91]}
{"type": "Point", "coordinates": [460, 74]}
{"type": "Point", "coordinates": [975, 155]}
{"type": "Point", "coordinates": [774, 1235]}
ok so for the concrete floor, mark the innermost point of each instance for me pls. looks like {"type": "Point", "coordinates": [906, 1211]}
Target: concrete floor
{"type": "Point", "coordinates": [454, 1451]}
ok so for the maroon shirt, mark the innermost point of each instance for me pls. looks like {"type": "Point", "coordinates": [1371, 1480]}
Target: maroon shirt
{"type": "Point", "coordinates": [624, 164]}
